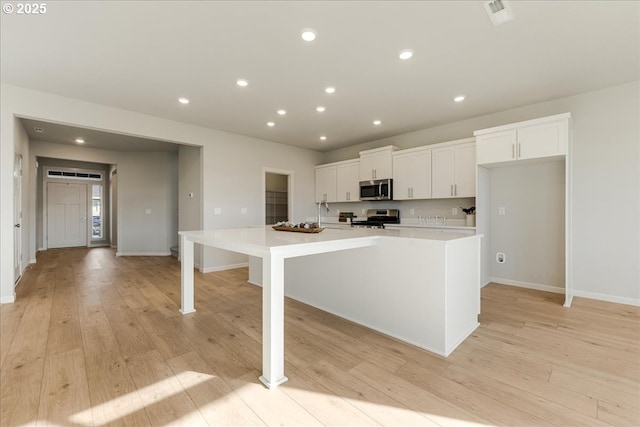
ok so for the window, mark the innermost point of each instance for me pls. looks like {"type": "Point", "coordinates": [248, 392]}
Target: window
{"type": "Point", "coordinates": [97, 204]}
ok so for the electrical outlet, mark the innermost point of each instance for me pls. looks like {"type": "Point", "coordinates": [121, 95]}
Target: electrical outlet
{"type": "Point", "coordinates": [243, 211]}
{"type": "Point", "coordinates": [501, 258]}
{"type": "Point", "coordinates": [217, 211]}
{"type": "Point", "coordinates": [502, 211]}
{"type": "Point", "coordinates": [412, 212]}
{"type": "Point", "coordinates": [364, 212]}
{"type": "Point", "coordinates": [454, 211]}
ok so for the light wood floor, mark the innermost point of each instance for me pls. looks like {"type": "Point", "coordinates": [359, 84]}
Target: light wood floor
{"type": "Point", "coordinates": [98, 340]}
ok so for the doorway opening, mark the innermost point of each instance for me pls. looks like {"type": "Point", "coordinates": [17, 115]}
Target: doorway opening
{"type": "Point", "coordinates": [277, 196]}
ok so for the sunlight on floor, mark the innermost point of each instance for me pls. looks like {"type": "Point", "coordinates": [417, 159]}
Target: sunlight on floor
{"type": "Point", "coordinates": [129, 403]}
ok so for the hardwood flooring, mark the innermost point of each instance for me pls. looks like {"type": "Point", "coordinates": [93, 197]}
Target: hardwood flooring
{"type": "Point", "coordinates": [95, 340]}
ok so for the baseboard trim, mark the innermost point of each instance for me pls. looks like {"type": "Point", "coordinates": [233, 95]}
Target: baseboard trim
{"type": "Point", "coordinates": [8, 300]}
{"type": "Point", "coordinates": [32, 261]}
{"type": "Point", "coordinates": [528, 285]}
{"type": "Point", "coordinates": [143, 253]}
{"type": "Point", "coordinates": [607, 298]}
{"type": "Point", "coordinates": [224, 267]}
{"type": "Point", "coordinates": [560, 290]}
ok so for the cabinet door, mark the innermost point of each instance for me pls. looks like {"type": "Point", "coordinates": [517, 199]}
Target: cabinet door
{"type": "Point", "coordinates": [402, 177]}
{"type": "Point", "coordinates": [544, 140]}
{"type": "Point", "coordinates": [420, 175]}
{"type": "Point", "coordinates": [348, 182]}
{"type": "Point", "coordinates": [496, 147]}
{"type": "Point", "coordinates": [326, 184]}
{"type": "Point", "coordinates": [442, 173]}
{"type": "Point", "coordinates": [464, 167]}
{"type": "Point", "coordinates": [376, 166]}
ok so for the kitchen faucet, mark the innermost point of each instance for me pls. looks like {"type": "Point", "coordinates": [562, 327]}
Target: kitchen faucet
{"type": "Point", "coordinates": [326, 205]}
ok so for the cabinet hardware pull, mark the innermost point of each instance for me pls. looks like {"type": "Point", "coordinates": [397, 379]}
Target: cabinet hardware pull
{"type": "Point", "coordinates": [519, 153]}
{"type": "Point", "coordinates": [513, 151]}
{"type": "Point", "coordinates": [409, 192]}
{"type": "Point", "coordinates": [455, 189]}
{"type": "Point", "coordinates": [452, 189]}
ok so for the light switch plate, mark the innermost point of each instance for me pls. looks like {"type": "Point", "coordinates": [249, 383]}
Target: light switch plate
{"type": "Point", "coordinates": [217, 211]}
{"type": "Point", "coordinates": [243, 211]}
{"type": "Point", "coordinates": [502, 211]}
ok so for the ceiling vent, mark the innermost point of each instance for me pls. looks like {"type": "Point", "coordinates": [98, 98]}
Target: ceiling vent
{"type": "Point", "coordinates": [499, 11]}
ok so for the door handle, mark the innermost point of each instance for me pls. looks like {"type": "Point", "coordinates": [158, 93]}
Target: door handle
{"type": "Point", "coordinates": [17, 226]}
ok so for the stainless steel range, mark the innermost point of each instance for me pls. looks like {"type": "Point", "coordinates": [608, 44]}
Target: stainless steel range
{"type": "Point", "coordinates": [377, 218]}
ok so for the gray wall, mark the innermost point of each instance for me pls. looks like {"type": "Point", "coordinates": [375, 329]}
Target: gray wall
{"type": "Point", "coordinates": [606, 182]}
{"type": "Point", "coordinates": [190, 182]}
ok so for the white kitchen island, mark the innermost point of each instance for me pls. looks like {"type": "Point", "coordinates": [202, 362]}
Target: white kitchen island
{"type": "Point", "coordinates": [420, 286]}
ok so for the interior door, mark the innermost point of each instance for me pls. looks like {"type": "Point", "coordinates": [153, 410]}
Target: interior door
{"type": "Point", "coordinates": [66, 215]}
{"type": "Point", "coordinates": [17, 217]}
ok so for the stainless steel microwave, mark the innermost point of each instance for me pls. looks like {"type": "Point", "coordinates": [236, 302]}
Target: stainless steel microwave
{"type": "Point", "coordinates": [377, 189]}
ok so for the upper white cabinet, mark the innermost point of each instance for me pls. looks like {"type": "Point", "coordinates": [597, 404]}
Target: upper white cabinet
{"type": "Point", "coordinates": [338, 182]}
{"type": "Point", "coordinates": [533, 139]}
{"type": "Point", "coordinates": [348, 181]}
{"type": "Point", "coordinates": [326, 181]}
{"type": "Point", "coordinates": [453, 171]}
{"type": "Point", "coordinates": [412, 174]}
{"type": "Point", "coordinates": [377, 163]}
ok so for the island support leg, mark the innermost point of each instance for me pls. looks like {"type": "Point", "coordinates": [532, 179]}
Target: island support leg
{"type": "Point", "coordinates": [186, 276]}
{"type": "Point", "coordinates": [272, 321]}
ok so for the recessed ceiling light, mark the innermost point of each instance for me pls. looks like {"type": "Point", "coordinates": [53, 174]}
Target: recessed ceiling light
{"type": "Point", "coordinates": [320, 109]}
{"type": "Point", "coordinates": [323, 138]}
{"type": "Point", "coordinates": [330, 89]}
{"type": "Point", "coordinates": [406, 54]}
{"type": "Point", "coordinates": [242, 82]}
{"type": "Point", "coordinates": [282, 112]}
{"type": "Point", "coordinates": [308, 35]}
{"type": "Point", "coordinates": [38, 130]}
{"type": "Point", "coordinates": [80, 140]}
{"type": "Point", "coordinates": [377, 122]}
{"type": "Point", "coordinates": [271, 124]}
{"type": "Point", "coordinates": [183, 100]}
{"type": "Point", "coordinates": [459, 98]}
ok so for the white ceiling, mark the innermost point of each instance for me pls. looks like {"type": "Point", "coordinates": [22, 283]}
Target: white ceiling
{"type": "Point", "coordinates": [143, 55]}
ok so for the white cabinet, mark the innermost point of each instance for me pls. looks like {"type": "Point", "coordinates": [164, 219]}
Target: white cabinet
{"type": "Point", "coordinates": [533, 139]}
{"type": "Point", "coordinates": [377, 163]}
{"type": "Point", "coordinates": [348, 181]}
{"type": "Point", "coordinates": [453, 171]}
{"type": "Point", "coordinates": [326, 183]}
{"type": "Point", "coordinates": [412, 174]}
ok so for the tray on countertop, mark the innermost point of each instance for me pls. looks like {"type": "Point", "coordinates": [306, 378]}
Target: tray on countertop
{"type": "Point", "coordinates": [298, 229]}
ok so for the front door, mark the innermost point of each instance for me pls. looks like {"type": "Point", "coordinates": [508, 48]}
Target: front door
{"type": "Point", "coordinates": [66, 215]}
{"type": "Point", "coordinates": [17, 218]}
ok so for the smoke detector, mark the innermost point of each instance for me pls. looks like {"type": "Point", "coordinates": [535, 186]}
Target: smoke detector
{"type": "Point", "coordinates": [499, 11]}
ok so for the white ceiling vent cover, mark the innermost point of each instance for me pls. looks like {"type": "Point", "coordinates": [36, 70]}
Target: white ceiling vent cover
{"type": "Point", "coordinates": [499, 11]}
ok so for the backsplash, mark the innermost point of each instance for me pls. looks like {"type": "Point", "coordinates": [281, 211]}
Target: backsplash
{"type": "Point", "coordinates": [409, 209]}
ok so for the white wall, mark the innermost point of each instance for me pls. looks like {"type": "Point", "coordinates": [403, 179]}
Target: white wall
{"type": "Point", "coordinates": [232, 165]}
{"type": "Point", "coordinates": [606, 181]}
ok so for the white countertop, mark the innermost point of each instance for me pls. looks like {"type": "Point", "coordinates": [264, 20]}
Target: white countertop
{"type": "Point", "coordinates": [262, 240]}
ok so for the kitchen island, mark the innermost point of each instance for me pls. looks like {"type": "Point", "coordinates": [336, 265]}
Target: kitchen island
{"type": "Point", "coordinates": [420, 286]}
